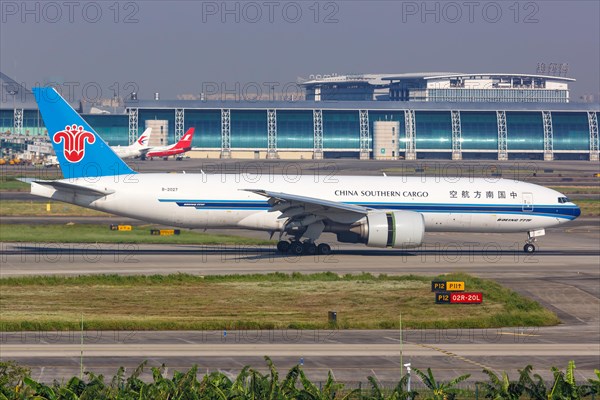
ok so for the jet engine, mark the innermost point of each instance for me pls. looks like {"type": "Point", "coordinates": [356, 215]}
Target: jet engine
{"type": "Point", "coordinates": [395, 229]}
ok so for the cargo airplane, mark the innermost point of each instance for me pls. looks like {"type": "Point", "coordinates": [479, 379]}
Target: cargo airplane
{"type": "Point", "coordinates": [138, 149]}
{"type": "Point", "coordinates": [385, 212]}
{"type": "Point", "coordinates": [178, 149]}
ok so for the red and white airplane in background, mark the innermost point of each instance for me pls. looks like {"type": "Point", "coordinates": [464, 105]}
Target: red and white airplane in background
{"type": "Point", "coordinates": [178, 149]}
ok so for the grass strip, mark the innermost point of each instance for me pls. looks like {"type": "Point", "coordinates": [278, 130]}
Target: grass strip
{"type": "Point", "coordinates": [10, 184]}
{"type": "Point", "coordinates": [13, 172]}
{"type": "Point", "coordinates": [92, 233]}
{"type": "Point", "coordinates": [270, 301]}
{"type": "Point", "coordinates": [43, 208]}
{"type": "Point", "coordinates": [589, 207]}
{"type": "Point", "coordinates": [578, 189]}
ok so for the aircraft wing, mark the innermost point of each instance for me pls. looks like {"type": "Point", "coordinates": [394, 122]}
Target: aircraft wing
{"type": "Point", "coordinates": [292, 205]}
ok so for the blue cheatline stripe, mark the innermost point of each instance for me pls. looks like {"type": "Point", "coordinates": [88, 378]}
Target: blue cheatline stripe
{"type": "Point", "coordinates": [565, 212]}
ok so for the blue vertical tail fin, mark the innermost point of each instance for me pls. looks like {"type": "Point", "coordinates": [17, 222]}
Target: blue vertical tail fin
{"type": "Point", "coordinates": [80, 151]}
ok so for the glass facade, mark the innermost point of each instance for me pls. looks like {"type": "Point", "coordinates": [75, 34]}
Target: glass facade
{"type": "Point", "coordinates": [114, 130]}
{"type": "Point", "coordinates": [208, 127]}
{"type": "Point", "coordinates": [570, 131]}
{"type": "Point", "coordinates": [295, 129]}
{"type": "Point", "coordinates": [499, 95]}
{"type": "Point", "coordinates": [341, 130]}
{"type": "Point", "coordinates": [33, 125]}
{"type": "Point", "coordinates": [248, 129]}
{"type": "Point", "coordinates": [479, 131]}
{"type": "Point", "coordinates": [525, 131]}
{"type": "Point", "coordinates": [433, 130]}
{"type": "Point", "coordinates": [6, 121]}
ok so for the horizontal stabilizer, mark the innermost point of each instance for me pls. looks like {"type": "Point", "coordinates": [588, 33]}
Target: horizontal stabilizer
{"type": "Point", "coordinates": [71, 187]}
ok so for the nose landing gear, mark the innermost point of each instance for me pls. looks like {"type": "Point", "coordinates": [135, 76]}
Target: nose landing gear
{"type": "Point", "coordinates": [529, 248]}
{"type": "Point", "coordinates": [531, 238]}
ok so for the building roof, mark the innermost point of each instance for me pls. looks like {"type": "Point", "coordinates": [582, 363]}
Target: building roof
{"type": "Point", "coordinates": [358, 105]}
{"type": "Point", "coordinates": [547, 77]}
{"type": "Point", "coordinates": [448, 75]}
{"type": "Point", "coordinates": [15, 95]}
{"type": "Point", "coordinates": [417, 75]}
{"type": "Point", "coordinates": [374, 79]}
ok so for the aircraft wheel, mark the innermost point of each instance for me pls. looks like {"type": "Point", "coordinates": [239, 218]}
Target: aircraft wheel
{"type": "Point", "coordinates": [529, 248]}
{"type": "Point", "coordinates": [310, 249]}
{"type": "Point", "coordinates": [296, 248]}
{"type": "Point", "coordinates": [324, 249]}
{"type": "Point", "coordinates": [283, 246]}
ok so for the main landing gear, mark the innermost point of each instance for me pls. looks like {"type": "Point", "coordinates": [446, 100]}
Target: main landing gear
{"type": "Point", "coordinates": [310, 232]}
{"type": "Point", "coordinates": [298, 248]}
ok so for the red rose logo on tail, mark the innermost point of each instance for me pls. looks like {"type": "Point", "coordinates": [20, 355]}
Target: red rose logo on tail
{"type": "Point", "coordinates": [74, 138]}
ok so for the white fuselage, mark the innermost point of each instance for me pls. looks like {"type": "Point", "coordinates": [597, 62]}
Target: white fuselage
{"type": "Point", "coordinates": [129, 151]}
{"type": "Point", "coordinates": [200, 201]}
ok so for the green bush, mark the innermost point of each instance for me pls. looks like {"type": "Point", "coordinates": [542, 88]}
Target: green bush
{"type": "Point", "coordinates": [16, 383]}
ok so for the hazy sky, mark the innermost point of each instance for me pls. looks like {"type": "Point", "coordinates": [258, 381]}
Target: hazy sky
{"type": "Point", "coordinates": [176, 47]}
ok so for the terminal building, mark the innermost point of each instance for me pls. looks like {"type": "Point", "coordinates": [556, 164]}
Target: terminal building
{"type": "Point", "coordinates": [384, 116]}
{"type": "Point", "coordinates": [440, 87]}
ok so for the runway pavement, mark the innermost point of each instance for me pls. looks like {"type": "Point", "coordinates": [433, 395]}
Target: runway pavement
{"type": "Point", "coordinates": [564, 275]}
{"type": "Point", "coordinates": [564, 249]}
{"type": "Point", "coordinates": [352, 355]}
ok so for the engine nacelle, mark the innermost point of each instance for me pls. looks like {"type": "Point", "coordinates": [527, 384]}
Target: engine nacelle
{"type": "Point", "coordinates": [397, 229]}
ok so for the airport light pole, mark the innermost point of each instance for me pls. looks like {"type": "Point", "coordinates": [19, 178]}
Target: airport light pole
{"type": "Point", "coordinates": [401, 345]}
{"type": "Point", "coordinates": [114, 102]}
{"type": "Point", "coordinates": [407, 365]}
{"type": "Point", "coordinates": [13, 92]}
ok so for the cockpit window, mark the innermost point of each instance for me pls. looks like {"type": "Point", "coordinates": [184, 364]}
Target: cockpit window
{"type": "Point", "coordinates": [563, 200]}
